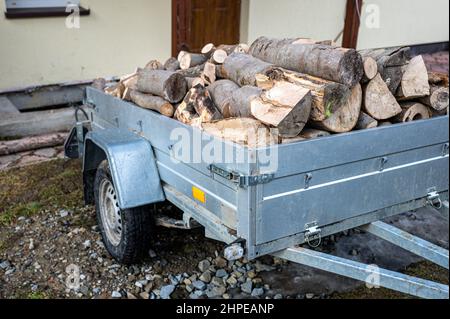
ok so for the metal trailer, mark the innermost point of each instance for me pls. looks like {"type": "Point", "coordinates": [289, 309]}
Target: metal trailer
{"type": "Point", "coordinates": [320, 187]}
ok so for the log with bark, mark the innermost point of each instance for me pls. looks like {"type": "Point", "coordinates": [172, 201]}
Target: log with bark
{"type": "Point", "coordinates": [412, 111]}
{"type": "Point", "coordinates": [243, 68]}
{"type": "Point", "coordinates": [215, 55]}
{"type": "Point", "coordinates": [379, 102]}
{"type": "Point", "coordinates": [438, 98]}
{"type": "Point", "coordinates": [328, 62]}
{"type": "Point", "coordinates": [172, 64]}
{"type": "Point", "coordinates": [200, 100]}
{"type": "Point", "coordinates": [365, 122]}
{"type": "Point", "coordinates": [171, 86]}
{"type": "Point", "coordinates": [115, 90]}
{"type": "Point", "coordinates": [209, 73]}
{"type": "Point", "coordinates": [390, 63]}
{"type": "Point", "coordinates": [194, 72]}
{"type": "Point", "coordinates": [437, 78]}
{"type": "Point", "coordinates": [191, 82]}
{"type": "Point", "coordinates": [154, 65]}
{"type": "Point", "coordinates": [327, 96]}
{"type": "Point", "coordinates": [151, 102]}
{"type": "Point", "coordinates": [32, 143]}
{"type": "Point", "coordinates": [189, 60]}
{"type": "Point", "coordinates": [221, 93]}
{"type": "Point", "coordinates": [345, 118]}
{"type": "Point", "coordinates": [244, 131]}
{"type": "Point", "coordinates": [99, 84]}
{"type": "Point", "coordinates": [370, 69]}
{"type": "Point", "coordinates": [285, 106]}
{"type": "Point", "coordinates": [414, 82]}
{"type": "Point", "coordinates": [185, 113]}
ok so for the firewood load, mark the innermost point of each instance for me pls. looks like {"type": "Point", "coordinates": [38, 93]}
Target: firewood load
{"type": "Point", "coordinates": [287, 90]}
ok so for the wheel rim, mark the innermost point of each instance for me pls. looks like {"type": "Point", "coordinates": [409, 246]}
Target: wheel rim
{"type": "Point", "coordinates": [110, 212]}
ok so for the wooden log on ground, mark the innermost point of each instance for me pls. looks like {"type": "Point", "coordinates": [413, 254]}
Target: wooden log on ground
{"type": "Point", "coordinates": [414, 83]}
{"type": "Point", "coordinates": [340, 65]}
{"type": "Point", "coordinates": [190, 60]}
{"type": "Point", "coordinates": [243, 68]}
{"type": "Point", "coordinates": [32, 143]}
{"type": "Point", "coordinates": [285, 106]}
{"type": "Point", "coordinates": [244, 131]}
{"type": "Point", "coordinates": [438, 98]}
{"type": "Point", "coordinates": [344, 119]}
{"type": "Point", "coordinates": [200, 100]}
{"type": "Point", "coordinates": [151, 102]}
{"type": "Point", "coordinates": [412, 111]}
{"type": "Point", "coordinates": [171, 86]}
{"type": "Point", "coordinates": [154, 65]}
{"type": "Point", "coordinates": [327, 96]}
{"type": "Point", "coordinates": [221, 93]}
{"type": "Point", "coordinates": [172, 64]}
{"type": "Point", "coordinates": [365, 122]}
{"type": "Point", "coordinates": [378, 100]}
{"type": "Point", "coordinates": [390, 63]}
{"type": "Point", "coordinates": [370, 69]}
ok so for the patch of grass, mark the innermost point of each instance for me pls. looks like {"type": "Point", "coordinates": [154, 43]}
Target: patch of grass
{"type": "Point", "coordinates": [27, 191]}
{"type": "Point", "coordinates": [36, 295]}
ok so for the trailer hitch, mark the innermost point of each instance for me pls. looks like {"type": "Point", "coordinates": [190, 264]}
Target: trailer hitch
{"type": "Point", "coordinates": [434, 198]}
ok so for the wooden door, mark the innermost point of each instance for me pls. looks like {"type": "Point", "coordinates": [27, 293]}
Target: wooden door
{"type": "Point", "coordinates": [198, 22]}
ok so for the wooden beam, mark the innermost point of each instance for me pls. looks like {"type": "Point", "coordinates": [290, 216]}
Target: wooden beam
{"type": "Point", "coordinates": [352, 24]}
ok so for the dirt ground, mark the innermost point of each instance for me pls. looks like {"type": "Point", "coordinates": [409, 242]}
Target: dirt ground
{"type": "Point", "coordinates": [45, 231]}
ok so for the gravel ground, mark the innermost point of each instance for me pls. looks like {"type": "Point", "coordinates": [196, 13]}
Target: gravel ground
{"type": "Point", "coordinates": [48, 238]}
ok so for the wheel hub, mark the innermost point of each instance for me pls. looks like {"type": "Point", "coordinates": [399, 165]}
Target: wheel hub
{"type": "Point", "coordinates": [110, 212]}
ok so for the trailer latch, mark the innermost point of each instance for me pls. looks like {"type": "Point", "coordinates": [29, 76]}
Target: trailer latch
{"type": "Point", "coordinates": [313, 234]}
{"type": "Point", "coordinates": [241, 180]}
{"type": "Point", "coordinates": [434, 199]}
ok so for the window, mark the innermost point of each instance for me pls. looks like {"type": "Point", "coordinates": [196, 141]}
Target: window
{"type": "Point", "coordinates": [41, 8]}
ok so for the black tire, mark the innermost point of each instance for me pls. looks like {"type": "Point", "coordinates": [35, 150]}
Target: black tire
{"type": "Point", "coordinates": [136, 225]}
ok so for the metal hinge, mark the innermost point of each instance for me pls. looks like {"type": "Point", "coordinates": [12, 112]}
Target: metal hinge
{"type": "Point", "coordinates": [241, 180]}
{"type": "Point", "coordinates": [313, 233]}
{"type": "Point", "coordinates": [434, 198]}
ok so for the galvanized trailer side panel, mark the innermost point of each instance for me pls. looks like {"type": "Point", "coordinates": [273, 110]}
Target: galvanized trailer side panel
{"type": "Point", "coordinates": [329, 180]}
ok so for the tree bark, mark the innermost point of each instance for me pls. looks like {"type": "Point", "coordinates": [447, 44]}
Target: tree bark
{"type": "Point", "coordinates": [336, 64]}
{"type": "Point", "coordinates": [32, 143]}
{"type": "Point", "coordinates": [190, 60]}
{"type": "Point", "coordinates": [412, 111]}
{"type": "Point", "coordinates": [152, 102]}
{"type": "Point", "coordinates": [285, 106]}
{"type": "Point", "coordinates": [327, 96]}
{"type": "Point", "coordinates": [172, 64]}
{"type": "Point", "coordinates": [365, 121]}
{"type": "Point", "coordinates": [169, 85]}
{"type": "Point", "coordinates": [344, 119]}
{"type": "Point", "coordinates": [199, 98]}
{"type": "Point", "coordinates": [191, 82]}
{"type": "Point", "coordinates": [414, 83]}
{"type": "Point", "coordinates": [438, 98]}
{"type": "Point", "coordinates": [379, 102]}
{"type": "Point", "coordinates": [186, 114]}
{"type": "Point", "coordinates": [154, 65]}
{"type": "Point", "coordinates": [244, 131]}
{"type": "Point", "coordinates": [221, 93]}
{"type": "Point", "coordinates": [243, 68]}
{"type": "Point", "coordinates": [194, 72]}
{"type": "Point", "coordinates": [437, 78]}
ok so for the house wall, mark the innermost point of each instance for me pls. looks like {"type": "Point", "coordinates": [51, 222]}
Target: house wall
{"type": "Point", "coordinates": [115, 38]}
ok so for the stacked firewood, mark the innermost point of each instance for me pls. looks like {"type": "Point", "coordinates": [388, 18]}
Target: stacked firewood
{"type": "Point", "coordinates": [302, 88]}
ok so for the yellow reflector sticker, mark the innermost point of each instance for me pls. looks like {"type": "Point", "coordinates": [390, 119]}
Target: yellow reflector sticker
{"type": "Point", "coordinates": [199, 195]}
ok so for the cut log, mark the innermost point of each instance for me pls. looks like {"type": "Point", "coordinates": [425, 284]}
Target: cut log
{"type": "Point", "coordinates": [221, 93]}
{"type": "Point", "coordinates": [32, 143]}
{"type": "Point", "coordinates": [127, 94]}
{"type": "Point", "coordinates": [191, 82]}
{"type": "Point", "coordinates": [345, 118]}
{"type": "Point", "coordinates": [219, 56]}
{"type": "Point", "coordinates": [390, 63]}
{"type": "Point", "coordinates": [154, 65]}
{"type": "Point", "coordinates": [412, 111]}
{"type": "Point", "coordinates": [415, 80]}
{"type": "Point", "coordinates": [366, 122]}
{"type": "Point", "coordinates": [208, 49]}
{"type": "Point", "coordinates": [438, 98]}
{"type": "Point", "coordinates": [152, 102]}
{"type": "Point", "coordinates": [243, 68]}
{"type": "Point", "coordinates": [230, 49]}
{"type": "Point", "coordinates": [169, 85]}
{"type": "Point", "coordinates": [244, 131]}
{"type": "Point", "coordinates": [370, 69]}
{"type": "Point", "coordinates": [310, 133]}
{"type": "Point", "coordinates": [130, 81]}
{"type": "Point", "coordinates": [190, 60]}
{"type": "Point", "coordinates": [194, 72]}
{"type": "Point", "coordinates": [115, 90]}
{"type": "Point", "coordinates": [327, 96]}
{"type": "Point", "coordinates": [379, 102]}
{"type": "Point", "coordinates": [437, 78]}
{"type": "Point", "coordinates": [172, 64]}
{"type": "Point", "coordinates": [209, 73]}
{"type": "Point", "coordinates": [199, 98]}
{"type": "Point", "coordinates": [285, 106]}
{"type": "Point", "coordinates": [331, 63]}
{"type": "Point", "coordinates": [186, 114]}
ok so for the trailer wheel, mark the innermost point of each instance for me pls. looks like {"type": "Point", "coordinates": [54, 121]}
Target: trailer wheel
{"type": "Point", "coordinates": [126, 233]}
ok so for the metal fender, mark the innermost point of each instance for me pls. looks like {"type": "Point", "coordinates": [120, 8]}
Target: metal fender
{"type": "Point", "coordinates": [132, 164]}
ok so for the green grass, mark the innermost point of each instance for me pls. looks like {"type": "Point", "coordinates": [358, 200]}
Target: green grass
{"type": "Point", "coordinates": [29, 190]}
{"type": "Point", "coordinates": [37, 295]}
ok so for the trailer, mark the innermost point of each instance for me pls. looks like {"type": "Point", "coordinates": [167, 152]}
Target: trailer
{"type": "Point", "coordinates": [256, 207]}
